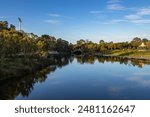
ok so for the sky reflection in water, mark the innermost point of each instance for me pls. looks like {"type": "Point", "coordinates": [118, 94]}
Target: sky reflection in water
{"type": "Point", "coordinates": [84, 78]}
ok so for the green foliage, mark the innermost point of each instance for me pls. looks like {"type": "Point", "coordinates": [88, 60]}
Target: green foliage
{"type": "Point", "coordinates": [62, 46]}
{"type": "Point", "coordinates": [3, 25]}
{"type": "Point", "coordinates": [16, 44]}
{"type": "Point", "coordinates": [88, 47]}
{"type": "Point", "coordinates": [20, 44]}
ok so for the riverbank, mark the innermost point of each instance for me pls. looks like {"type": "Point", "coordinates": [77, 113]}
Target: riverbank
{"type": "Point", "coordinates": [131, 54]}
{"type": "Point", "coordinates": [19, 67]}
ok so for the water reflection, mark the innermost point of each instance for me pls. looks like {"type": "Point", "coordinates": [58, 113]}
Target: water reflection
{"type": "Point", "coordinates": [122, 60]}
{"type": "Point", "coordinates": [12, 88]}
{"type": "Point", "coordinates": [140, 81]}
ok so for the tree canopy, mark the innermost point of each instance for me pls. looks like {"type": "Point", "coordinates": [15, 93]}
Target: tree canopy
{"type": "Point", "coordinates": [15, 43]}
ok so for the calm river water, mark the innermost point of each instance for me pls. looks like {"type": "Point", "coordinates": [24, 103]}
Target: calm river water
{"type": "Point", "coordinates": [96, 78]}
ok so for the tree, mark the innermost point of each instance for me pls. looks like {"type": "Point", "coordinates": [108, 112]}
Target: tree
{"type": "Point", "coordinates": [136, 39]}
{"type": "Point", "coordinates": [144, 40]}
{"type": "Point", "coordinates": [101, 41]}
{"type": "Point", "coordinates": [12, 27]}
{"type": "Point", "coordinates": [81, 42]}
{"type": "Point", "coordinates": [3, 25]}
{"type": "Point", "coordinates": [62, 46]}
{"type": "Point", "coordinates": [135, 43]}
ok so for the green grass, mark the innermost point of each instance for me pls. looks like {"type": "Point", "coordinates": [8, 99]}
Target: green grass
{"type": "Point", "coordinates": [131, 53]}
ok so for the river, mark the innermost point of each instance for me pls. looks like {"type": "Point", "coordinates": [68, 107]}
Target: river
{"type": "Point", "coordinates": [83, 78]}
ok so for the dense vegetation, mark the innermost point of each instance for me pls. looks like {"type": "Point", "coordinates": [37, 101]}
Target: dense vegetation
{"type": "Point", "coordinates": [23, 53]}
{"type": "Point", "coordinates": [85, 46]}
{"type": "Point", "coordinates": [18, 43]}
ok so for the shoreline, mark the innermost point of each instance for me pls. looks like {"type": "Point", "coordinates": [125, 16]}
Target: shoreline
{"type": "Point", "coordinates": [109, 55]}
{"type": "Point", "coordinates": [24, 69]}
{"type": "Point", "coordinates": [128, 57]}
{"type": "Point", "coordinates": [18, 67]}
{"type": "Point", "coordinates": [16, 70]}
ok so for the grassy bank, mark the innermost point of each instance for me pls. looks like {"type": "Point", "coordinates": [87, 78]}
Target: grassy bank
{"type": "Point", "coordinates": [145, 54]}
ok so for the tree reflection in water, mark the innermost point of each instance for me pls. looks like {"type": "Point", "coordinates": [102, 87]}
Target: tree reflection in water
{"type": "Point", "coordinates": [11, 88]}
{"type": "Point", "coordinates": [122, 60]}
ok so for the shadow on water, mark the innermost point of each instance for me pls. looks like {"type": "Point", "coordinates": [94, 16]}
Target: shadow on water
{"type": "Point", "coordinates": [11, 88]}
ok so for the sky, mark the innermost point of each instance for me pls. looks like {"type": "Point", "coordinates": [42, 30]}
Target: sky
{"type": "Point", "coordinates": [108, 20]}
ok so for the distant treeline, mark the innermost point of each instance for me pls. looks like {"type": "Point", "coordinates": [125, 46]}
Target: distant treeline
{"type": "Point", "coordinates": [19, 43]}
{"type": "Point", "coordinates": [86, 46]}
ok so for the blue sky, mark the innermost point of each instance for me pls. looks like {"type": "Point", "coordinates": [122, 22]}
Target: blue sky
{"type": "Point", "coordinates": [110, 20]}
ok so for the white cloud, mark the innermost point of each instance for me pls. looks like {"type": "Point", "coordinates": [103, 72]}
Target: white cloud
{"type": "Point", "coordinates": [98, 14]}
{"type": "Point", "coordinates": [95, 12]}
{"type": "Point", "coordinates": [135, 21]}
{"type": "Point", "coordinates": [115, 7]}
{"type": "Point", "coordinates": [56, 18]}
{"type": "Point", "coordinates": [3, 17]}
{"type": "Point", "coordinates": [114, 1]}
{"type": "Point", "coordinates": [52, 21]}
{"type": "Point", "coordinates": [6, 17]}
{"type": "Point", "coordinates": [143, 12]}
{"type": "Point", "coordinates": [141, 21]}
{"type": "Point", "coordinates": [118, 20]}
{"type": "Point", "coordinates": [115, 21]}
{"type": "Point", "coordinates": [132, 17]}
{"type": "Point", "coordinates": [139, 16]}
{"type": "Point", "coordinates": [55, 15]}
